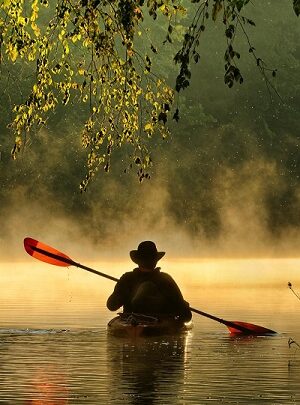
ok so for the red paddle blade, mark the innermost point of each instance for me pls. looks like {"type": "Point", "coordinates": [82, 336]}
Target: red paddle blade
{"type": "Point", "coordinates": [249, 328]}
{"type": "Point", "coordinates": [46, 253]}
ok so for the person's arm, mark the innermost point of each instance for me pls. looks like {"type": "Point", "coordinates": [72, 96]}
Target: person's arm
{"type": "Point", "coordinates": [186, 313]}
{"type": "Point", "coordinates": [180, 306]}
{"type": "Point", "coordinates": [116, 299]}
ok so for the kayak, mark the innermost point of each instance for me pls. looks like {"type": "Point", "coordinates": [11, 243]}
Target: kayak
{"type": "Point", "coordinates": [139, 325]}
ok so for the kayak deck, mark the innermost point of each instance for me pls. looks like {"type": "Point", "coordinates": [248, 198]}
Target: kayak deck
{"type": "Point", "coordinates": [138, 325]}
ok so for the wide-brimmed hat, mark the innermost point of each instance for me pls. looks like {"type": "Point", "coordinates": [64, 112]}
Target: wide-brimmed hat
{"type": "Point", "coordinates": [146, 251]}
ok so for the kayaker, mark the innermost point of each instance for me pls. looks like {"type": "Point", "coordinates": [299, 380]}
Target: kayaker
{"type": "Point", "coordinates": [146, 290]}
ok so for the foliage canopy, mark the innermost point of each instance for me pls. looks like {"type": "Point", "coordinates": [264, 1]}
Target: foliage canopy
{"type": "Point", "coordinates": [87, 51]}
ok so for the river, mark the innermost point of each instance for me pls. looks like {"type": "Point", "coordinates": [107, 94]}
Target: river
{"type": "Point", "coordinates": [55, 348]}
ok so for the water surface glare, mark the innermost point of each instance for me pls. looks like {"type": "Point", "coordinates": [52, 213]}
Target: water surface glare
{"type": "Point", "coordinates": [55, 348]}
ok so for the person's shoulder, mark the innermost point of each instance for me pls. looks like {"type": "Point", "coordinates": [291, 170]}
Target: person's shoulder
{"type": "Point", "coordinates": [128, 275]}
{"type": "Point", "coordinates": [165, 276]}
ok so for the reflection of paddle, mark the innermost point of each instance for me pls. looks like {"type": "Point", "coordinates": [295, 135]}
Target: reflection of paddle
{"type": "Point", "coordinates": [50, 255]}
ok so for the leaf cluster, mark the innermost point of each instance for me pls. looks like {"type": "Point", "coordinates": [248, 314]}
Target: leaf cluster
{"type": "Point", "coordinates": [230, 13]}
{"type": "Point", "coordinates": [84, 51]}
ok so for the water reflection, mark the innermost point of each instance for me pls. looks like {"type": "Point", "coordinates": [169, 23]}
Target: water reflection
{"type": "Point", "coordinates": [241, 371]}
{"type": "Point", "coordinates": [49, 385]}
{"type": "Point", "coordinates": [147, 371]}
{"type": "Point", "coordinates": [53, 368]}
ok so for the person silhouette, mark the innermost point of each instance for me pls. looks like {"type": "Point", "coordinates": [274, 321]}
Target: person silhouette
{"type": "Point", "coordinates": [147, 290]}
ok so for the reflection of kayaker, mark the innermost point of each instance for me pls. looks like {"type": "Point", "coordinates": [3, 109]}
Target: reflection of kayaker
{"type": "Point", "coordinates": [148, 371]}
{"type": "Point", "coordinates": [148, 291]}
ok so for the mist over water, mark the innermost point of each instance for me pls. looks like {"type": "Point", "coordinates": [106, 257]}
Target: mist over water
{"type": "Point", "coordinates": [226, 183]}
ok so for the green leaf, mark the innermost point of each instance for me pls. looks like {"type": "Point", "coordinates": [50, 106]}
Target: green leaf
{"type": "Point", "coordinates": [296, 6]}
{"type": "Point", "coordinates": [240, 4]}
{"type": "Point", "coordinates": [162, 117]}
{"type": "Point", "coordinates": [196, 57]}
{"type": "Point", "coordinates": [148, 127]}
{"type": "Point", "coordinates": [176, 115]}
{"type": "Point", "coordinates": [217, 7]}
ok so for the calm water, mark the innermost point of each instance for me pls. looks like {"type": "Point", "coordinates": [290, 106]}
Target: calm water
{"type": "Point", "coordinates": [55, 348]}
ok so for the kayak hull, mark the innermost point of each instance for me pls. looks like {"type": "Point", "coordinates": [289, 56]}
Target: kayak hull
{"type": "Point", "coordinates": [135, 325]}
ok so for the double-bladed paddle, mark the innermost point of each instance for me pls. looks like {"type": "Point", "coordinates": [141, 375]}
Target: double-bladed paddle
{"type": "Point", "coordinates": [47, 254]}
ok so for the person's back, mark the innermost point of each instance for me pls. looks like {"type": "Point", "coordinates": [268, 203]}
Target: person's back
{"type": "Point", "coordinates": [147, 290]}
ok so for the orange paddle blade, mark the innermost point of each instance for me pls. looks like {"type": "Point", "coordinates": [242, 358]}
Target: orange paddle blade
{"type": "Point", "coordinates": [251, 328]}
{"type": "Point", "coordinates": [237, 327]}
{"type": "Point", "coordinates": [46, 253]}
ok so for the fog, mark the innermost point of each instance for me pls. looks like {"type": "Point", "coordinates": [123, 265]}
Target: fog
{"type": "Point", "coordinates": [226, 182]}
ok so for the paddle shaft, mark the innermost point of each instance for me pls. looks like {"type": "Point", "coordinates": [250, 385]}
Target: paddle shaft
{"type": "Point", "coordinates": [95, 271]}
{"type": "Point", "coordinates": [223, 321]}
